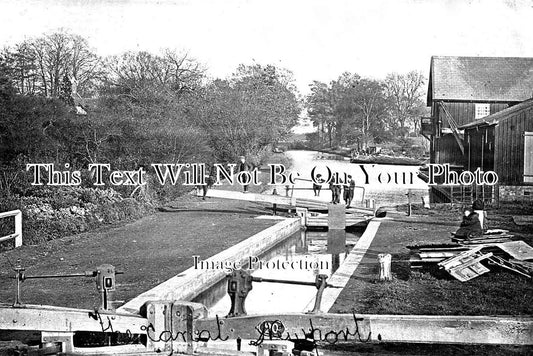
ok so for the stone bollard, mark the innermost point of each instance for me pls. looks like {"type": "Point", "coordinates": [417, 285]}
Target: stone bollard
{"type": "Point", "coordinates": [385, 267]}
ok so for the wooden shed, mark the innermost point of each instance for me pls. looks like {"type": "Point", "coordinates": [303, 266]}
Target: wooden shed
{"type": "Point", "coordinates": [503, 142]}
{"type": "Point", "coordinates": [462, 90]}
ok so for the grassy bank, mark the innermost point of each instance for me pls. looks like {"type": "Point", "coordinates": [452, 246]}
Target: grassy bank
{"type": "Point", "coordinates": [498, 292]}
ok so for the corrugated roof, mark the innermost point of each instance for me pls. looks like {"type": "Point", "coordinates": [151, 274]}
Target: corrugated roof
{"type": "Point", "coordinates": [480, 78]}
{"type": "Point", "coordinates": [500, 115]}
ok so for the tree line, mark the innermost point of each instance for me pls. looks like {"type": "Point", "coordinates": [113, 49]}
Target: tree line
{"type": "Point", "coordinates": [138, 107]}
{"type": "Point", "coordinates": [357, 111]}
{"type": "Point", "coordinates": [60, 102]}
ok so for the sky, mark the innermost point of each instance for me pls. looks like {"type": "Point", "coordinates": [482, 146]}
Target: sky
{"type": "Point", "coordinates": [315, 39]}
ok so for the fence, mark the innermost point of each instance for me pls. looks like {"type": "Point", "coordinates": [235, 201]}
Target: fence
{"type": "Point", "coordinates": [18, 227]}
{"type": "Point", "coordinates": [465, 194]}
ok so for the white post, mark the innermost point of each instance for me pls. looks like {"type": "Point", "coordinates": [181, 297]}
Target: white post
{"type": "Point", "coordinates": [18, 228]}
{"type": "Point", "coordinates": [385, 267]}
{"type": "Point", "coordinates": [302, 213]}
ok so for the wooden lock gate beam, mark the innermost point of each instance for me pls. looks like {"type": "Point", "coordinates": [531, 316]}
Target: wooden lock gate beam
{"type": "Point", "coordinates": [177, 326]}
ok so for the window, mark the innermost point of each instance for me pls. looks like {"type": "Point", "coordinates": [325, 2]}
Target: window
{"type": "Point", "coordinates": [482, 110]}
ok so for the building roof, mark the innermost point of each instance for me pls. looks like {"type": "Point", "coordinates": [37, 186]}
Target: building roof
{"type": "Point", "coordinates": [495, 118]}
{"type": "Point", "coordinates": [507, 79]}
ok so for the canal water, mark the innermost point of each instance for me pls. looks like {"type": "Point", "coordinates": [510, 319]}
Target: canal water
{"type": "Point", "coordinates": [386, 184]}
{"type": "Point", "coordinates": [304, 255]}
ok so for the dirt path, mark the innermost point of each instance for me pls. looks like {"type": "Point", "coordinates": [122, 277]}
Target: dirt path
{"type": "Point", "coordinates": [149, 251]}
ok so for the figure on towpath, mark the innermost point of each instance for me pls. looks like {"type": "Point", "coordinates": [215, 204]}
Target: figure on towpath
{"type": "Point", "coordinates": [335, 185]}
{"type": "Point", "coordinates": [244, 167]}
{"type": "Point", "coordinates": [318, 185]}
{"type": "Point", "coordinates": [210, 180]}
{"type": "Point", "coordinates": [349, 188]}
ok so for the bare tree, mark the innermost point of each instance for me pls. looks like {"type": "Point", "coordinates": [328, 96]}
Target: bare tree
{"type": "Point", "coordinates": [142, 75]}
{"type": "Point", "coordinates": [405, 92]}
{"type": "Point", "coordinates": [39, 65]}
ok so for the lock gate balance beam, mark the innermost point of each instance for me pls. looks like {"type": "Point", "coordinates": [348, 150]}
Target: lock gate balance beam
{"type": "Point", "coordinates": [311, 204]}
{"type": "Point", "coordinates": [253, 197]}
{"type": "Point", "coordinates": [437, 329]}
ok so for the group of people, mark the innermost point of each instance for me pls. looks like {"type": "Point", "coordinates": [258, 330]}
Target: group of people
{"type": "Point", "coordinates": [338, 188]}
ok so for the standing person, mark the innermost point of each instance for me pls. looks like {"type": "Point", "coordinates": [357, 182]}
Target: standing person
{"type": "Point", "coordinates": [349, 188]}
{"type": "Point", "coordinates": [337, 186]}
{"type": "Point", "coordinates": [244, 167]}
{"type": "Point", "coordinates": [318, 185]}
{"type": "Point", "coordinates": [333, 191]}
{"type": "Point", "coordinates": [210, 180]}
{"type": "Point", "coordinates": [346, 191]}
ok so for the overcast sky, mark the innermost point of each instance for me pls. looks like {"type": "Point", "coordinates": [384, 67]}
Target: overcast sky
{"type": "Point", "coordinates": [316, 39]}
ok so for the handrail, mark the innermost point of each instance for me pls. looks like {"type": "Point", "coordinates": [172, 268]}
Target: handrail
{"type": "Point", "coordinates": [18, 227]}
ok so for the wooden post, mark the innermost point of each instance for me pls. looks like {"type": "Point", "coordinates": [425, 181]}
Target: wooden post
{"type": "Point", "coordinates": [302, 213]}
{"type": "Point", "coordinates": [408, 202]}
{"type": "Point", "coordinates": [18, 229]}
{"type": "Point", "coordinates": [336, 216]}
{"type": "Point", "coordinates": [385, 267]}
{"type": "Point", "coordinates": [496, 190]}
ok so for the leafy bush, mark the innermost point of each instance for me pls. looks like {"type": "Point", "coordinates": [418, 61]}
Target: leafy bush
{"type": "Point", "coordinates": [54, 212]}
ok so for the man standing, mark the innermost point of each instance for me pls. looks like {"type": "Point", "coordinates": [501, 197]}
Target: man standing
{"type": "Point", "coordinates": [349, 188]}
{"type": "Point", "coordinates": [333, 191]}
{"type": "Point", "coordinates": [337, 187]}
{"type": "Point", "coordinates": [244, 167]}
{"type": "Point", "coordinates": [318, 185]}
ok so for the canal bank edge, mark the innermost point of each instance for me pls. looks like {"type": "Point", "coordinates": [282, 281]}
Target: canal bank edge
{"type": "Point", "coordinates": [341, 277]}
{"type": "Point", "coordinates": [188, 284]}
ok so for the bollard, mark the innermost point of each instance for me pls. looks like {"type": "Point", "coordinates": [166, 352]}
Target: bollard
{"type": "Point", "coordinates": [385, 267]}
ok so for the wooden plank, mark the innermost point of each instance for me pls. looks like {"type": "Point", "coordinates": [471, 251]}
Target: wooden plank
{"type": "Point", "coordinates": [528, 157]}
{"type": "Point", "coordinates": [384, 328]}
{"type": "Point", "coordinates": [8, 237]}
{"type": "Point", "coordinates": [262, 198]}
{"type": "Point", "coordinates": [348, 267]}
{"type": "Point", "coordinates": [379, 328]}
{"type": "Point", "coordinates": [56, 319]}
{"type": "Point", "coordinates": [10, 213]}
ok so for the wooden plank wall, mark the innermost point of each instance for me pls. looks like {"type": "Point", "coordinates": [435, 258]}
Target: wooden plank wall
{"type": "Point", "coordinates": [479, 140]}
{"type": "Point", "coordinates": [509, 146]}
{"type": "Point", "coordinates": [448, 151]}
{"type": "Point", "coordinates": [464, 112]}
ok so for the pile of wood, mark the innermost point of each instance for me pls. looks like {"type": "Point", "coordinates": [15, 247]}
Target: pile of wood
{"type": "Point", "coordinates": [489, 236]}
{"type": "Point", "coordinates": [465, 260]}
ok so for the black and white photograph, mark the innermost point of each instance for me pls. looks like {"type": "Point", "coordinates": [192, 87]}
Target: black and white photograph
{"type": "Point", "coordinates": [266, 177]}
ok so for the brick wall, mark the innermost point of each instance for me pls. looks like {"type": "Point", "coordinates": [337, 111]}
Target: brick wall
{"type": "Point", "coordinates": [516, 192]}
